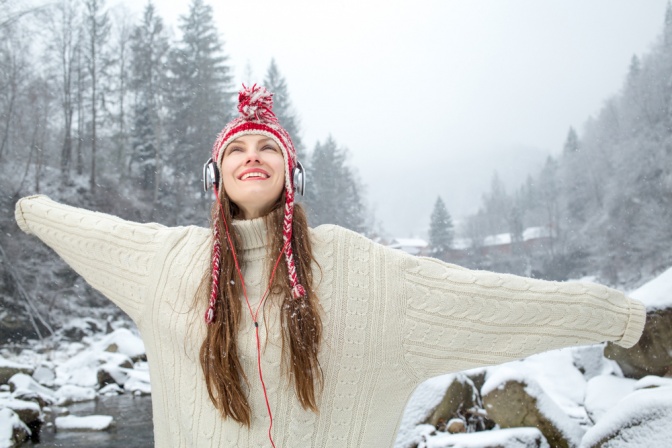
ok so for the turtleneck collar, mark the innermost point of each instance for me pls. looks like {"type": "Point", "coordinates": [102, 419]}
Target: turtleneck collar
{"type": "Point", "coordinates": [252, 232]}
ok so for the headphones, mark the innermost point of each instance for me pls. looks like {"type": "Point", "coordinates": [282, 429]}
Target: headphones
{"type": "Point", "coordinates": [211, 176]}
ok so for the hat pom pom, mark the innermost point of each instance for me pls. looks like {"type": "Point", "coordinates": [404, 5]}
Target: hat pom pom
{"type": "Point", "coordinates": [256, 103]}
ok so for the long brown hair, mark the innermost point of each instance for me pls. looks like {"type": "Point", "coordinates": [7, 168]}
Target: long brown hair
{"type": "Point", "coordinates": [300, 318]}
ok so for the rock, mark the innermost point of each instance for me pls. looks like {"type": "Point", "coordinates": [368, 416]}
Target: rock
{"type": "Point", "coordinates": [111, 374]}
{"type": "Point", "coordinates": [503, 438]}
{"type": "Point", "coordinates": [111, 389]}
{"type": "Point", "coordinates": [460, 395]}
{"type": "Point", "coordinates": [603, 392]}
{"type": "Point", "coordinates": [456, 425]}
{"type": "Point", "coordinates": [518, 404]}
{"type": "Point", "coordinates": [21, 383]}
{"type": "Point", "coordinates": [462, 401]}
{"type": "Point", "coordinates": [8, 369]}
{"type": "Point", "coordinates": [27, 411]}
{"type": "Point", "coordinates": [13, 432]}
{"type": "Point", "coordinates": [44, 375]}
{"type": "Point", "coordinates": [77, 329]}
{"type": "Point", "coordinates": [88, 423]}
{"type": "Point", "coordinates": [652, 355]}
{"type": "Point", "coordinates": [69, 394]}
{"type": "Point", "coordinates": [641, 419]}
{"type": "Point", "coordinates": [125, 342]}
{"type": "Point", "coordinates": [590, 361]}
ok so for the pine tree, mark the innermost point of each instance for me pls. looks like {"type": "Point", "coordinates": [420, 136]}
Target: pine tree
{"type": "Point", "coordinates": [282, 106]}
{"type": "Point", "coordinates": [150, 49]}
{"type": "Point", "coordinates": [334, 193]}
{"type": "Point", "coordinates": [572, 142]}
{"type": "Point", "coordinates": [200, 86]}
{"type": "Point", "coordinates": [440, 229]}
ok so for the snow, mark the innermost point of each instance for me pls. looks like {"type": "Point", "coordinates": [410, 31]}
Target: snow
{"type": "Point", "coordinates": [88, 423]}
{"type": "Point", "coordinates": [14, 365]}
{"type": "Point", "coordinates": [603, 392]}
{"type": "Point", "coordinates": [509, 438]}
{"type": "Point", "coordinates": [424, 399]}
{"type": "Point", "coordinates": [22, 382]}
{"type": "Point", "coordinates": [126, 342]}
{"type": "Point", "coordinates": [642, 417]}
{"type": "Point", "coordinates": [656, 294]}
{"type": "Point", "coordinates": [138, 382]}
{"type": "Point", "coordinates": [555, 374]}
{"type": "Point", "coordinates": [8, 421]}
{"type": "Point", "coordinates": [70, 393]}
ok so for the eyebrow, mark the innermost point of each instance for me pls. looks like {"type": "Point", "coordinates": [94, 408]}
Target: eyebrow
{"type": "Point", "coordinates": [263, 140]}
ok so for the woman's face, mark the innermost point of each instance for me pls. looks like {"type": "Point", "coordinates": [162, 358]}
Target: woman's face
{"type": "Point", "coordinates": [253, 174]}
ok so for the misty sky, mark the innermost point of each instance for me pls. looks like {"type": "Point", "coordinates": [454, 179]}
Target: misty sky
{"type": "Point", "coordinates": [430, 97]}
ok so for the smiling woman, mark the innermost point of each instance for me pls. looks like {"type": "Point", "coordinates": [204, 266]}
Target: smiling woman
{"type": "Point", "coordinates": [252, 170]}
{"type": "Point", "coordinates": [320, 350]}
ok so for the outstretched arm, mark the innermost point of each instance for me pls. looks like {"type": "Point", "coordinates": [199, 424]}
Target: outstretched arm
{"type": "Point", "coordinates": [463, 318]}
{"type": "Point", "coordinates": [113, 255]}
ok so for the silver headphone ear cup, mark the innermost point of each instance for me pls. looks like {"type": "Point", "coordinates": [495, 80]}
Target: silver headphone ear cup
{"type": "Point", "coordinates": [299, 178]}
{"type": "Point", "coordinates": [210, 174]}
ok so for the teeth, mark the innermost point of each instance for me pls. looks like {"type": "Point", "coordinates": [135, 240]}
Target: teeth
{"type": "Point", "coordinates": [248, 175]}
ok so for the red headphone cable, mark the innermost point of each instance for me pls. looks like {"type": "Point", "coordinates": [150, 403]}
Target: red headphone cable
{"type": "Point", "coordinates": [254, 314]}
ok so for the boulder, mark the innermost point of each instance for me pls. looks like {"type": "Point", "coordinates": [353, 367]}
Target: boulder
{"type": "Point", "coordinates": [642, 418]}
{"type": "Point", "coordinates": [13, 432]}
{"type": "Point", "coordinates": [70, 393]}
{"type": "Point", "coordinates": [44, 375]}
{"type": "Point", "coordinates": [460, 396]}
{"type": "Point", "coordinates": [8, 369]}
{"type": "Point", "coordinates": [652, 355]}
{"type": "Point", "coordinates": [111, 373]}
{"type": "Point", "coordinates": [461, 400]}
{"type": "Point", "coordinates": [87, 423]}
{"type": "Point", "coordinates": [503, 438]}
{"type": "Point", "coordinates": [22, 383]}
{"type": "Point", "coordinates": [27, 411]}
{"type": "Point", "coordinates": [518, 403]}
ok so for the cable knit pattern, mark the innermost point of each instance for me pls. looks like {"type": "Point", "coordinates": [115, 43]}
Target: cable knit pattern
{"type": "Point", "coordinates": [390, 321]}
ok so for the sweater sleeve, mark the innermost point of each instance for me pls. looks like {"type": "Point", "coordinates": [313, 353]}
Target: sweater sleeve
{"type": "Point", "coordinates": [113, 255]}
{"type": "Point", "coordinates": [456, 319]}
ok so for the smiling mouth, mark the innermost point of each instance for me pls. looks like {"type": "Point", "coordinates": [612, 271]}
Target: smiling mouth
{"type": "Point", "coordinates": [254, 175]}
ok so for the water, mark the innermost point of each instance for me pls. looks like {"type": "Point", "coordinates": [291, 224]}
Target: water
{"type": "Point", "coordinates": [132, 425]}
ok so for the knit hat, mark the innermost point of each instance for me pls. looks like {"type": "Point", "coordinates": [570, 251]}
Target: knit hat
{"type": "Point", "coordinates": [255, 105]}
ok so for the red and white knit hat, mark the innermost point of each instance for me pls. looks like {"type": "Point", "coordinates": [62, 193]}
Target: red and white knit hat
{"type": "Point", "coordinates": [255, 105]}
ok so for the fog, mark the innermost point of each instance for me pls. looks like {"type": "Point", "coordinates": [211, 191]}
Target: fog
{"type": "Point", "coordinates": [431, 97]}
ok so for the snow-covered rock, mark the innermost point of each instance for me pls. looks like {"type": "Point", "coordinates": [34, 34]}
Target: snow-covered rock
{"type": "Point", "coordinates": [13, 431]}
{"type": "Point", "coordinates": [70, 393]}
{"type": "Point", "coordinates": [138, 383]}
{"type": "Point", "coordinates": [21, 383]}
{"type": "Point", "coordinates": [28, 412]}
{"type": "Point", "coordinates": [641, 419]}
{"type": "Point", "coordinates": [87, 423]}
{"type": "Point", "coordinates": [509, 438]}
{"type": "Point", "coordinates": [8, 369]}
{"type": "Point", "coordinates": [45, 375]}
{"type": "Point", "coordinates": [125, 342]}
{"type": "Point", "coordinates": [513, 400]}
{"type": "Point", "coordinates": [603, 392]}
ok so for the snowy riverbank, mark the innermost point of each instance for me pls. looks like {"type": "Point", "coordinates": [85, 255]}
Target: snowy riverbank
{"type": "Point", "coordinates": [577, 397]}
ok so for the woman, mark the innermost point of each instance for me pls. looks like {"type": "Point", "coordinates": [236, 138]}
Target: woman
{"type": "Point", "coordinates": [321, 328]}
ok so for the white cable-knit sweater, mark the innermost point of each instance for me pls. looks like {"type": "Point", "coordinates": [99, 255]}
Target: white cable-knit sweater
{"type": "Point", "coordinates": [391, 320]}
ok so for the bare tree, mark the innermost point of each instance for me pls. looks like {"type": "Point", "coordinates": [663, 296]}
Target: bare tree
{"type": "Point", "coordinates": [63, 30]}
{"type": "Point", "coordinates": [97, 32]}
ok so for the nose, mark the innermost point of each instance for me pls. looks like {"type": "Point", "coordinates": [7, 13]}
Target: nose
{"type": "Point", "coordinates": [252, 157]}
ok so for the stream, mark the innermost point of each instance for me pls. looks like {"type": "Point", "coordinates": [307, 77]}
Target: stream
{"type": "Point", "coordinates": [132, 425]}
